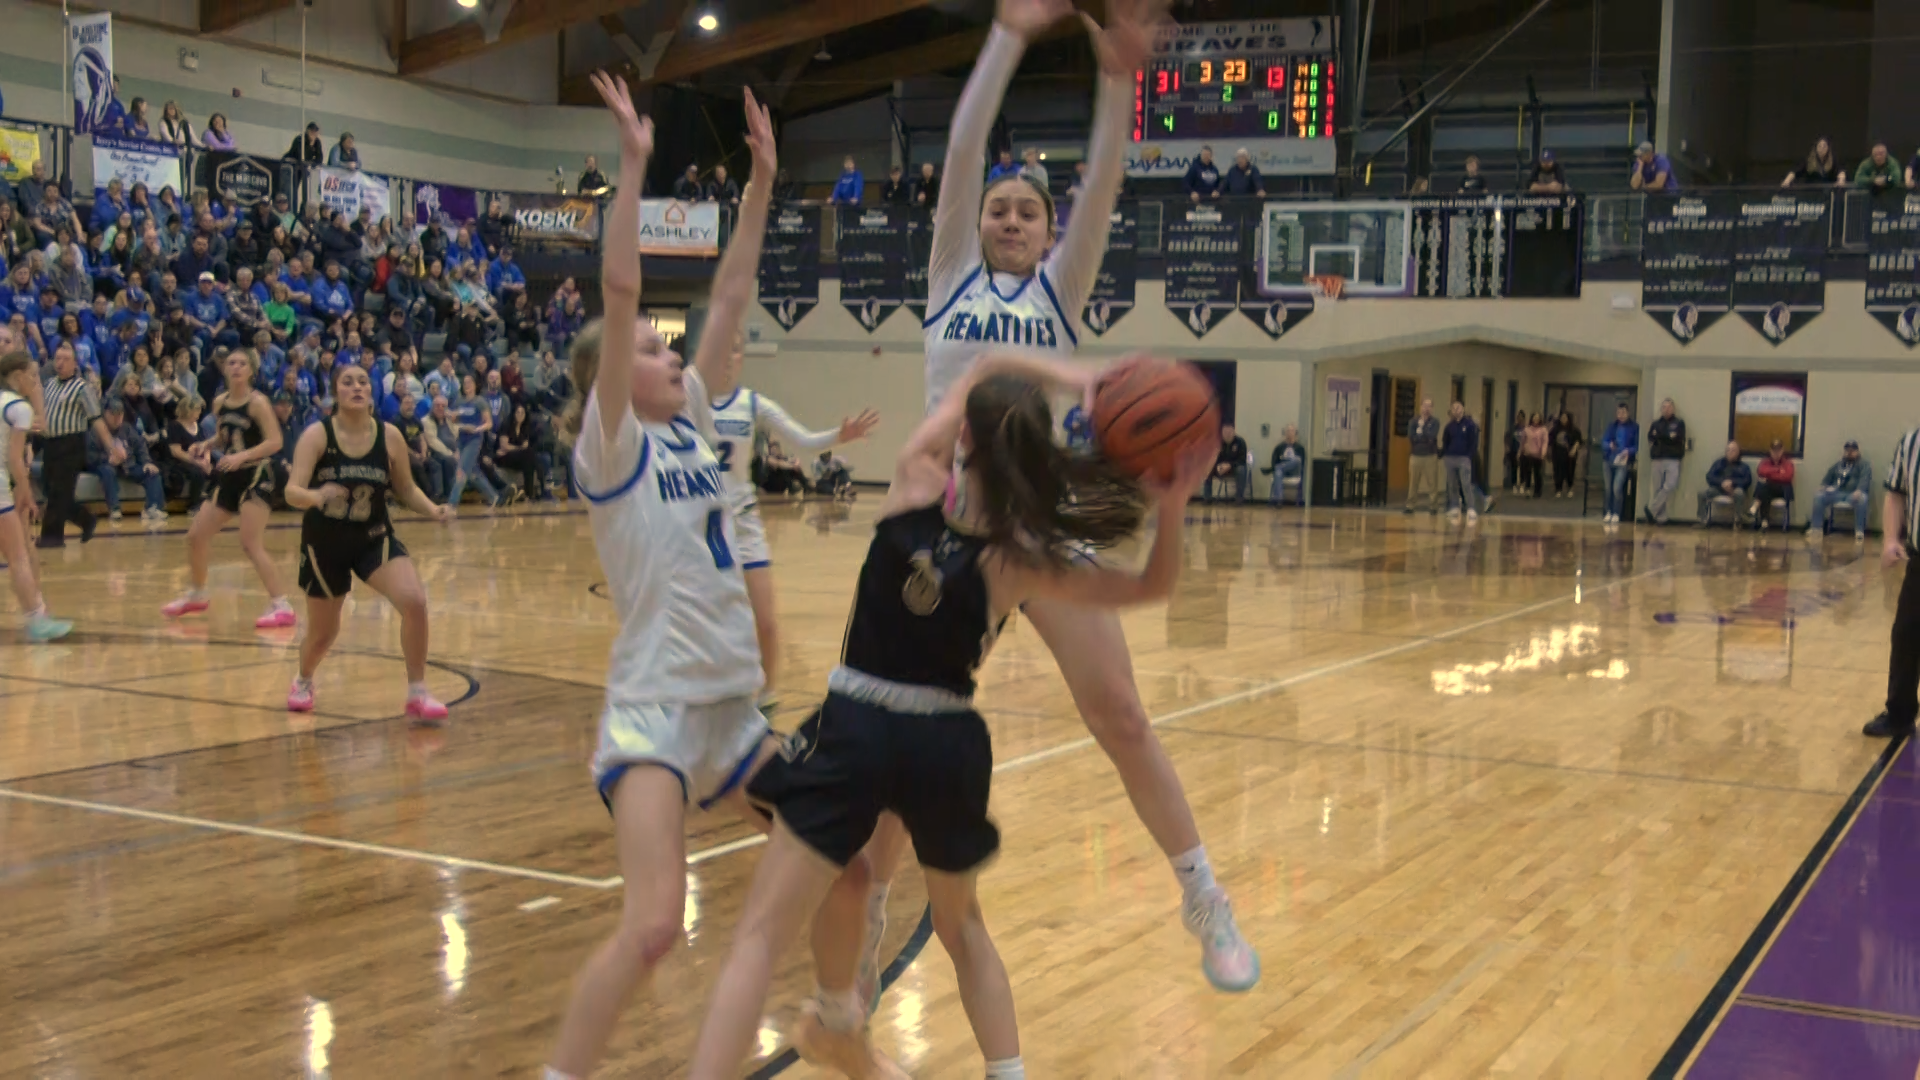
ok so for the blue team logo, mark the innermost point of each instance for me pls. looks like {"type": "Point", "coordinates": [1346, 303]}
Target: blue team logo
{"type": "Point", "coordinates": [1686, 322]}
{"type": "Point", "coordinates": [1775, 325]}
{"type": "Point", "coordinates": [1908, 326]}
{"type": "Point", "coordinates": [1274, 320]}
{"type": "Point", "coordinates": [869, 313]}
{"type": "Point", "coordinates": [788, 312]}
{"type": "Point", "coordinates": [1200, 317]}
{"type": "Point", "coordinates": [92, 88]}
{"type": "Point", "coordinates": [1099, 316]}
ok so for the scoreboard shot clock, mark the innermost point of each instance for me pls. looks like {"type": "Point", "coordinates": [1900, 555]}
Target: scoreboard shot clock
{"type": "Point", "coordinates": [1268, 86]}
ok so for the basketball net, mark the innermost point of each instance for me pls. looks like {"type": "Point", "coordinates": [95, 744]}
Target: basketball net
{"type": "Point", "coordinates": [1327, 286]}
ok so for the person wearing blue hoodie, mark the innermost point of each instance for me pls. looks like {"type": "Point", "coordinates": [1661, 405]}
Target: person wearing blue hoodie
{"type": "Point", "coordinates": [1620, 446]}
{"type": "Point", "coordinates": [851, 185]}
{"type": "Point", "coordinates": [1849, 482]}
{"type": "Point", "coordinates": [1458, 443]}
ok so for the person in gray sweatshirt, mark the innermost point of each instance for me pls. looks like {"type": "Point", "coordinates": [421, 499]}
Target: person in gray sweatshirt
{"type": "Point", "coordinates": [1850, 481]}
{"type": "Point", "coordinates": [1423, 465]}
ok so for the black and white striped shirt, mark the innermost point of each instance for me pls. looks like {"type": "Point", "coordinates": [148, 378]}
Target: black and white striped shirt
{"type": "Point", "coordinates": [72, 406]}
{"type": "Point", "coordinates": [1900, 480]}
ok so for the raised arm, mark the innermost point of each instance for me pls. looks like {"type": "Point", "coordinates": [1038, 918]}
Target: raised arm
{"type": "Point", "coordinates": [769, 413]}
{"type": "Point", "coordinates": [737, 279]}
{"type": "Point", "coordinates": [1123, 46]}
{"type": "Point", "coordinates": [620, 261]}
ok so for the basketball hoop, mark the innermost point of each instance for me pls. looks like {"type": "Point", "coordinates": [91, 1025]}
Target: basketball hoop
{"type": "Point", "coordinates": [1327, 286]}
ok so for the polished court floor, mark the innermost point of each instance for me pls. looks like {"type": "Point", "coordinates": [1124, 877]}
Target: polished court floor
{"type": "Point", "coordinates": [1528, 800]}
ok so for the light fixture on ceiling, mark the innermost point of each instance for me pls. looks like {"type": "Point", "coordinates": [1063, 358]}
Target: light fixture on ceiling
{"type": "Point", "coordinates": [823, 55]}
{"type": "Point", "coordinates": [468, 4]}
{"type": "Point", "coordinates": [708, 22]}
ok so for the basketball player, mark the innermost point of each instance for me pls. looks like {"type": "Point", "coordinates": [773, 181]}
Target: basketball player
{"type": "Point", "coordinates": [19, 389]}
{"type": "Point", "coordinates": [342, 468]}
{"type": "Point", "coordinates": [249, 435]}
{"type": "Point", "coordinates": [740, 414]}
{"type": "Point", "coordinates": [898, 731]}
{"type": "Point", "coordinates": [680, 724]}
{"type": "Point", "coordinates": [996, 278]}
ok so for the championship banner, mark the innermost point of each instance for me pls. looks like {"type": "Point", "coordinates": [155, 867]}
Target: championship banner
{"type": "Point", "coordinates": [1113, 293]}
{"type": "Point", "coordinates": [1498, 246]}
{"type": "Point", "coordinates": [554, 219]}
{"type": "Point", "coordinates": [1686, 261]}
{"type": "Point", "coordinates": [873, 262]}
{"type": "Point", "coordinates": [349, 190]}
{"type": "Point", "coordinates": [90, 51]}
{"type": "Point", "coordinates": [919, 258]}
{"type": "Point", "coordinates": [1893, 265]}
{"type": "Point", "coordinates": [1779, 272]}
{"type": "Point", "coordinates": [1202, 246]}
{"type": "Point", "coordinates": [790, 264]}
{"type": "Point", "coordinates": [135, 161]}
{"type": "Point", "coordinates": [433, 202]}
{"type": "Point", "coordinates": [672, 227]}
{"type": "Point", "coordinates": [19, 150]}
{"type": "Point", "coordinates": [247, 181]}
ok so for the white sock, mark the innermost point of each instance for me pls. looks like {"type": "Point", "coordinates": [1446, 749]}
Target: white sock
{"type": "Point", "coordinates": [1006, 1069]}
{"type": "Point", "coordinates": [417, 690]}
{"type": "Point", "coordinates": [551, 1073]}
{"type": "Point", "coordinates": [303, 682]}
{"type": "Point", "coordinates": [841, 1012]}
{"type": "Point", "coordinates": [282, 602]}
{"type": "Point", "coordinates": [39, 611]}
{"type": "Point", "coordinates": [1195, 874]}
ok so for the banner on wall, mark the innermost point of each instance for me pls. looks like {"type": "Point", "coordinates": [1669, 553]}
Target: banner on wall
{"type": "Point", "coordinates": [433, 202]}
{"type": "Point", "coordinates": [1893, 265]}
{"type": "Point", "coordinates": [135, 161]}
{"type": "Point", "coordinates": [1202, 246]}
{"type": "Point", "coordinates": [19, 150]}
{"type": "Point", "coordinates": [350, 190]}
{"type": "Point", "coordinates": [672, 227]}
{"type": "Point", "coordinates": [1498, 246]}
{"type": "Point", "coordinates": [790, 264]}
{"type": "Point", "coordinates": [555, 219]}
{"type": "Point", "coordinates": [1686, 261]}
{"type": "Point", "coordinates": [1113, 287]}
{"type": "Point", "coordinates": [90, 51]}
{"type": "Point", "coordinates": [247, 181]}
{"type": "Point", "coordinates": [1346, 419]}
{"type": "Point", "coordinates": [873, 262]}
{"type": "Point", "coordinates": [919, 258]}
{"type": "Point", "coordinates": [1779, 272]}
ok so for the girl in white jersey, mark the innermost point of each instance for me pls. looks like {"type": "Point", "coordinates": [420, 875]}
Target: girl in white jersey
{"type": "Point", "coordinates": [680, 723]}
{"type": "Point", "coordinates": [19, 388]}
{"type": "Point", "coordinates": [740, 414]}
{"type": "Point", "coordinates": [996, 279]}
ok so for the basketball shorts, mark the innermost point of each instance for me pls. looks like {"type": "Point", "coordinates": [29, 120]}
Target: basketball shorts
{"type": "Point", "coordinates": [750, 537]}
{"type": "Point", "coordinates": [710, 748]}
{"type": "Point", "coordinates": [232, 489]}
{"type": "Point", "coordinates": [852, 760]}
{"type": "Point", "coordinates": [328, 565]}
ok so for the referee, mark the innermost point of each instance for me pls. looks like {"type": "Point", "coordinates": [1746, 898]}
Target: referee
{"type": "Point", "coordinates": [72, 408]}
{"type": "Point", "coordinates": [1901, 527]}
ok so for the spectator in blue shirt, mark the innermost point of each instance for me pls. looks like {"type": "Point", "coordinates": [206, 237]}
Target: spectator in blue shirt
{"type": "Point", "coordinates": [1001, 169]}
{"type": "Point", "coordinates": [1653, 172]}
{"type": "Point", "coordinates": [331, 297]}
{"type": "Point", "coordinates": [848, 190]}
{"type": "Point", "coordinates": [112, 354]}
{"type": "Point", "coordinates": [1729, 477]}
{"type": "Point", "coordinates": [1620, 445]}
{"type": "Point", "coordinates": [207, 312]}
{"type": "Point", "coordinates": [108, 206]}
{"type": "Point", "coordinates": [1243, 179]}
{"type": "Point", "coordinates": [504, 279]}
{"type": "Point", "coordinates": [1203, 176]}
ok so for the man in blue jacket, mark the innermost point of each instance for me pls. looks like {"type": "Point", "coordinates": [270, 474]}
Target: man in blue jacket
{"type": "Point", "coordinates": [1620, 445]}
{"type": "Point", "coordinates": [850, 187]}
{"type": "Point", "coordinates": [1850, 481]}
{"type": "Point", "coordinates": [1458, 444]}
{"type": "Point", "coordinates": [1203, 176]}
{"type": "Point", "coordinates": [1728, 477]}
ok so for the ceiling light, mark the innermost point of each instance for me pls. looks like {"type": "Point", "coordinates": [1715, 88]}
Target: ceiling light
{"type": "Point", "coordinates": [708, 23]}
{"type": "Point", "coordinates": [468, 4]}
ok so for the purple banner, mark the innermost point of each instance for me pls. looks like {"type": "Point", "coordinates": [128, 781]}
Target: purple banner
{"type": "Point", "coordinates": [431, 202]}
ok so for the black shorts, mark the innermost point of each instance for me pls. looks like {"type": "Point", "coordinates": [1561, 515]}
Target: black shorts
{"type": "Point", "coordinates": [851, 760]}
{"type": "Point", "coordinates": [328, 567]}
{"type": "Point", "coordinates": [231, 490]}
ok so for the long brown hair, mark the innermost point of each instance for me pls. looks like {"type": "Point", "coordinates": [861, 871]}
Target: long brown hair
{"type": "Point", "coordinates": [1039, 500]}
{"type": "Point", "coordinates": [584, 366]}
{"type": "Point", "coordinates": [12, 364]}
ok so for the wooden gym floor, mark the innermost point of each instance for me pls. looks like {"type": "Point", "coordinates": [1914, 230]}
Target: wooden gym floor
{"type": "Point", "coordinates": [1528, 800]}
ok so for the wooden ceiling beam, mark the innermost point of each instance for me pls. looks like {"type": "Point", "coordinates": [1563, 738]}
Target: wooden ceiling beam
{"type": "Point", "coordinates": [220, 16]}
{"type": "Point", "coordinates": [525, 21]}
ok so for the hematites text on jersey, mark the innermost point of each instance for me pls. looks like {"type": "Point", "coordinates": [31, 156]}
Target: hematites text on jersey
{"type": "Point", "coordinates": [679, 485]}
{"type": "Point", "coordinates": [1004, 328]}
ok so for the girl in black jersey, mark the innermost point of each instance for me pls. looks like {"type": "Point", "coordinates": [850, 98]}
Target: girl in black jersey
{"type": "Point", "coordinates": [248, 437]}
{"type": "Point", "coordinates": [342, 470]}
{"type": "Point", "coordinates": [898, 733]}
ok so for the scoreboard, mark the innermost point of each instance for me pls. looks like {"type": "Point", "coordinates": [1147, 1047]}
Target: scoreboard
{"type": "Point", "coordinates": [1267, 85]}
{"type": "Point", "coordinates": [1235, 97]}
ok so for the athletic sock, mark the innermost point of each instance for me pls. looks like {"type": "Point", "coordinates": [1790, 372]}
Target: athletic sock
{"type": "Point", "coordinates": [1006, 1069]}
{"type": "Point", "coordinates": [1194, 872]}
{"type": "Point", "coordinates": [841, 1012]}
{"type": "Point", "coordinates": [551, 1073]}
{"type": "Point", "coordinates": [38, 611]}
{"type": "Point", "coordinates": [303, 682]}
{"type": "Point", "coordinates": [417, 690]}
{"type": "Point", "coordinates": [280, 602]}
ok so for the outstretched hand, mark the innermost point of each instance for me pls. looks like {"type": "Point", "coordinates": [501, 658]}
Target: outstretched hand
{"type": "Point", "coordinates": [1027, 18]}
{"type": "Point", "coordinates": [766, 156]}
{"type": "Point", "coordinates": [636, 131]}
{"type": "Point", "coordinates": [855, 428]}
{"type": "Point", "coordinates": [1126, 43]}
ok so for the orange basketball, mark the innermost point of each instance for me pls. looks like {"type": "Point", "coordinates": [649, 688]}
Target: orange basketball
{"type": "Point", "coordinates": [1147, 412]}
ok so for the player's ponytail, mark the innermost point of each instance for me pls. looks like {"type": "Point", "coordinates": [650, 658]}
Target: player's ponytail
{"type": "Point", "coordinates": [584, 362]}
{"type": "Point", "coordinates": [1038, 498]}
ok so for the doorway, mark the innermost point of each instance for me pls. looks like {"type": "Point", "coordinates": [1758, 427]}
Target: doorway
{"type": "Point", "coordinates": [1592, 408]}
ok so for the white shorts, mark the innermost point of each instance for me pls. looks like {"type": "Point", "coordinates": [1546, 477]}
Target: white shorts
{"type": "Point", "coordinates": [750, 537]}
{"type": "Point", "coordinates": [708, 747]}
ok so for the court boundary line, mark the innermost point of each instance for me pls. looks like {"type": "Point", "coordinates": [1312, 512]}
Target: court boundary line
{"type": "Point", "coordinates": [1699, 1028]}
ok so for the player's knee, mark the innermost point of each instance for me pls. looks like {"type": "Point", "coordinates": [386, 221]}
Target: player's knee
{"type": "Point", "coordinates": [955, 925]}
{"type": "Point", "coordinates": [1117, 718]}
{"type": "Point", "coordinates": [644, 941]}
{"type": "Point", "coordinates": [856, 878]}
{"type": "Point", "coordinates": [411, 605]}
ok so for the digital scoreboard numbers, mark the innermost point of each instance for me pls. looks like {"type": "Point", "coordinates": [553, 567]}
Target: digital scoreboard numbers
{"type": "Point", "coordinates": [1268, 86]}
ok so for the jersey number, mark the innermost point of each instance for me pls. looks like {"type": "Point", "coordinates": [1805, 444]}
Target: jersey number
{"type": "Point", "coordinates": [724, 451]}
{"type": "Point", "coordinates": [717, 540]}
{"type": "Point", "coordinates": [360, 509]}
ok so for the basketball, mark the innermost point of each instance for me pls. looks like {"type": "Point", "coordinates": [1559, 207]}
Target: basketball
{"type": "Point", "coordinates": [1148, 411]}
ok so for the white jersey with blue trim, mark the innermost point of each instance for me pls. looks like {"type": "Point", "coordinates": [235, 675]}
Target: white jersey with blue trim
{"type": "Point", "coordinates": [16, 419]}
{"type": "Point", "coordinates": [991, 310]}
{"type": "Point", "coordinates": [738, 420]}
{"type": "Point", "coordinates": [658, 505]}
